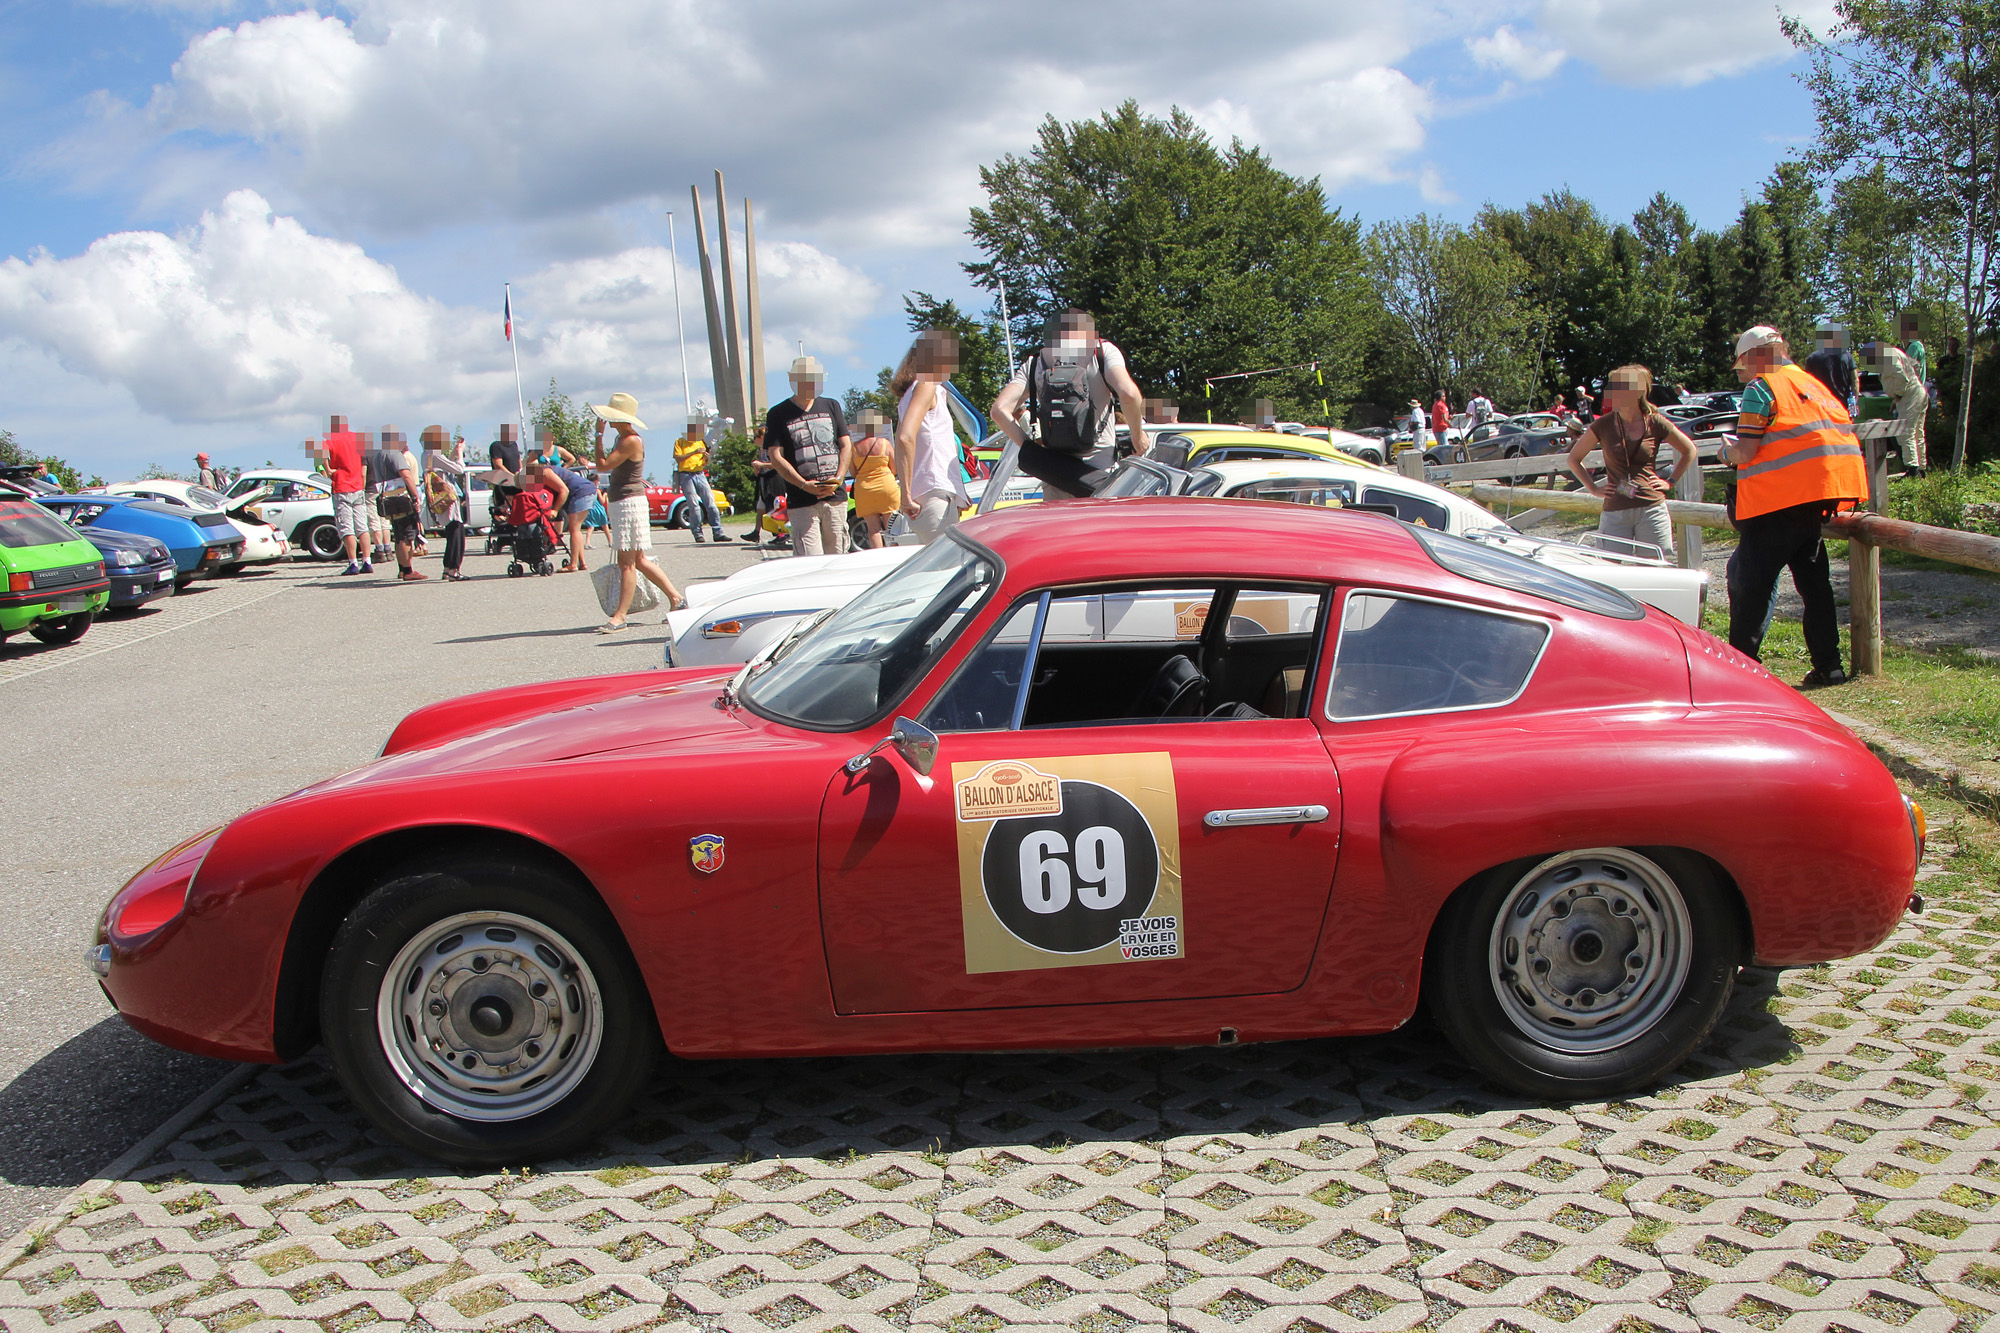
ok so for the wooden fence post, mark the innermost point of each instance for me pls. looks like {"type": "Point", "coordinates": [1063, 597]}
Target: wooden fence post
{"type": "Point", "coordinates": [1687, 540]}
{"type": "Point", "coordinates": [1864, 568]}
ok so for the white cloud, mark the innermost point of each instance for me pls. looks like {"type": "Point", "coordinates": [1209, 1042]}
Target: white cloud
{"type": "Point", "coordinates": [1646, 43]}
{"type": "Point", "coordinates": [417, 113]}
{"type": "Point", "coordinates": [1527, 58]}
{"type": "Point", "coordinates": [248, 316]}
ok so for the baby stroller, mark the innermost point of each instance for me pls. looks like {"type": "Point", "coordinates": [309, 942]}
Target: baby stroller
{"type": "Point", "coordinates": [532, 516]}
{"type": "Point", "coordinates": [500, 532]}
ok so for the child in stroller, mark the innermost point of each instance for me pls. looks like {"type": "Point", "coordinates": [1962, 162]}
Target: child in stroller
{"type": "Point", "coordinates": [531, 514]}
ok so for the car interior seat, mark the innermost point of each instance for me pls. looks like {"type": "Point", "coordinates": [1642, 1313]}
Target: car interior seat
{"type": "Point", "coordinates": [1175, 690]}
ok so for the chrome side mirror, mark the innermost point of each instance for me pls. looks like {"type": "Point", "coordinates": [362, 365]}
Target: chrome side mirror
{"type": "Point", "coordinates": [916, 743]}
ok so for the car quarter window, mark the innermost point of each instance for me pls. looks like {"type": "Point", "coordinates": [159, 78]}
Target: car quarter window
{"type": "Point", "coordinates": [1320, 492]}
{"type": "Point", "coordinates": [1409, 508]}
{"type": "Point", "coordinates": [1398, 654]}
{"type": "Point", "coordinates": [1123, 654]}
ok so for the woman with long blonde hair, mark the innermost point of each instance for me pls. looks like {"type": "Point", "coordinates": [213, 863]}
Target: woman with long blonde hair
{"type": "Point", "coordinates": [926, 446]}
{"type": "Point", "coordinates": [1630, 432]}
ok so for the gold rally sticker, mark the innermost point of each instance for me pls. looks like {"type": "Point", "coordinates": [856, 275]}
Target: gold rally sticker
{"type": "Point", "coordinates": [1069, 862]}
{"type": "Point", "coordinates": [1007, 787]}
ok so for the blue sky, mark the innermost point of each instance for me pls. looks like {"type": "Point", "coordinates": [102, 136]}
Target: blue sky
{"type": "Point", "coordinates": [314, 210]}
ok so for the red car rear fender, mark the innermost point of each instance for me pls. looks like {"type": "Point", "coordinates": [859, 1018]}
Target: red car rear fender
{"type": "Point", "coordinates": [1802, 822]}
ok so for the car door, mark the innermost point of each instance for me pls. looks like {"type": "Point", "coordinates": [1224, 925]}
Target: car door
{"type": "Point", "coordinates": [1066, 849]}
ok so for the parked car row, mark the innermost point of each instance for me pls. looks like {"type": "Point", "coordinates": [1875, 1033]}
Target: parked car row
{"type": "Point", "coordinates": [71, 557]}
{"type": "Point", "coordinates": [735, 619]}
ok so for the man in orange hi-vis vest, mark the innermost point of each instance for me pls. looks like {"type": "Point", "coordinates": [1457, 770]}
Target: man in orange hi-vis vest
{"type": "Point", "coordinates": [1797, 461]}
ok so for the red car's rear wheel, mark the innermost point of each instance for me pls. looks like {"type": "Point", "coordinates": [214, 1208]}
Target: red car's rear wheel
{"type": "Point", "coordinates": [1586, 974]}
{"type": "Point", "coordinates": [485, 1013]}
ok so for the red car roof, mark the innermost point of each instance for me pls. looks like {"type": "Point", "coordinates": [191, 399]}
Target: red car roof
{"type": "Point", "coordinates": [1174, 537]}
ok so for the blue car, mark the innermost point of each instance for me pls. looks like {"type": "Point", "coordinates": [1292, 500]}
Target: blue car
{"type": "Point", "coordinates": [201, 543]}
{"type": "Point", "coordinates": [141, 569]}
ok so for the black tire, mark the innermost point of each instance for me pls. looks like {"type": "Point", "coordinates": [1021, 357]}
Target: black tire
{"type": "Point", "coordinates": [514, 569]}
{"type": "Point", "coordinates": [1467, 961]}
{"type": "Point", "coordinates": [857, 533]}
{"type": "Point", "coordinates": [182, 580]}
{"type": "Point", "coordinates": [320, 539]}
{"type": "Point", "coordinates": [1372, 457]}
{"type": "Point", "coordinates": [402, 912]}
{"type": "Point", "coordinates": [62, 629]}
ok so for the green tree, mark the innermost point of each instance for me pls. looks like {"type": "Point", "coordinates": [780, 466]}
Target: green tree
{"type": "Point", "coordinates": [1196, 260]}
{"type": "Point", "coordinates": [573, 427]}
{"type": "Point", "coordinates": [1876, 265]}
{"type": "Point", "coordinates": [1454, 318]}
{"type": "Point", "coordinates": [12, 454]}
{"type": "Point", "coordinates": [1914, 85]}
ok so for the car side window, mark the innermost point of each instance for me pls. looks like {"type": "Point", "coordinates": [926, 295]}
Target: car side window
{"type": "Point", "coordinates": [1320, 493]}
{"type": "Point", "coordinates": [1399, 654]}
{"type": "Point", "coordinates": [1410, 508]}
{"type": "Point", "coordinates": [1124, 654]}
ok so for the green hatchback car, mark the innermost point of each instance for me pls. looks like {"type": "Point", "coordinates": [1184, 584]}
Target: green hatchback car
{"type": "Point", "coordinates": [55, 579]}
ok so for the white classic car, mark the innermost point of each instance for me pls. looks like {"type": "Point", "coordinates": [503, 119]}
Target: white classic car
{"type": "Point", "coordinates": [731, 620]}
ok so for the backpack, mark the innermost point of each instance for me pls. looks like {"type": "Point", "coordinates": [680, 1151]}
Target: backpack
{"type": "Point", "coordinates": [1062, 396]}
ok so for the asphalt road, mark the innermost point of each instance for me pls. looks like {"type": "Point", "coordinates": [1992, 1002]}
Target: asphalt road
{"type": "Point", "coordinates": [159, 724]}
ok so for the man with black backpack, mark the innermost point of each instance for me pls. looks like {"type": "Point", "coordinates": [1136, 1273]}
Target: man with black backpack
{"type": "Point", "coordinates": [1067, 388]}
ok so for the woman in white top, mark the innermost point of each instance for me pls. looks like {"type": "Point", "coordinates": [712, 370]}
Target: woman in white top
{"type": "Point", "coordinates": [443, 465]}
{"type": "Point", "coordinates": [926, 446]}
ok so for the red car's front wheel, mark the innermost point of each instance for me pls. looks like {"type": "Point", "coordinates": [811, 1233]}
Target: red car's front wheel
{"type": "Point", "coordinates": [485, 1013]}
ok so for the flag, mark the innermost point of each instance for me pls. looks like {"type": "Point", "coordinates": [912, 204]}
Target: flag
{"type": "Point", "coordinates": [507, 312]}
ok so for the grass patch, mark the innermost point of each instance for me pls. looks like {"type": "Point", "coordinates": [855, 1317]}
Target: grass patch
{"type": "Point", "coordinates": [1945, 699]}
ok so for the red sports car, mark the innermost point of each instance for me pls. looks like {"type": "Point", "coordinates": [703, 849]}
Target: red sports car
{"type": "Point", "coordinates": [1047, 785]}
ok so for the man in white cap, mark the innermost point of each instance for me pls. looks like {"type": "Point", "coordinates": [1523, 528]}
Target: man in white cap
{"type": "Point", "coordinates": [806, 439]}
{"type": "Point", "coordinates": [1797, 461]}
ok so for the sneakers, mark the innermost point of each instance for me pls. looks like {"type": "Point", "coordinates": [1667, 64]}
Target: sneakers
{"type": "Point", "coordinates": [719, 538]}
{"type": "Point", "coordinates": [411, 576]}
{"type": "Point", "coordinates": [1817, 680]}
{"type": "Point", "coordinates": [367, 566]}
{"type": "Point", "coordinates": [698, 538]}
{"type": "Point", "coordinates": [353, 567]}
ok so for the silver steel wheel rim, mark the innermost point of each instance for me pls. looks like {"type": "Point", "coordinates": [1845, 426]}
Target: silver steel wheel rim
{"type": "Point", "coordinates": [1590, 950]}
{"type": "Point", "coordinates": [490, 1016]}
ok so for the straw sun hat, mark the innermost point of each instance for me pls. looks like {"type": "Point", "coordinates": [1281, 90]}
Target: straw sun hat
{"type": "Point", "coordinates": [622, 407]}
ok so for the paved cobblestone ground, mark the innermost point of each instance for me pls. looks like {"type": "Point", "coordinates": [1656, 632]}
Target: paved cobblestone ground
{"type": "Point", "coordinates": [1831, 1160]}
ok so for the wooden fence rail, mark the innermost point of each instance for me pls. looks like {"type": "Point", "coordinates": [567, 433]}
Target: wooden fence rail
{"type": "Point", "coordinates": [1866, 533]}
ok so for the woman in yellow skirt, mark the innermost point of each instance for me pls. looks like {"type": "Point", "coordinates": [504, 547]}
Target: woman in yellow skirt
{"type": "Point", "coordinates": [877, 497]}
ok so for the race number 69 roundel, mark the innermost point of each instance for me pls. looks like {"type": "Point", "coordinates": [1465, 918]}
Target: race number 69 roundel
{"type": "Point", "coordinates": [1062, 861]}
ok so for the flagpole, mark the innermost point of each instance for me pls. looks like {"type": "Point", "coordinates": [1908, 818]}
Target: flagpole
{"type": "Point", "coordinates": [520, 400]}
{"type": "Point", "coordinates": [680, 330]}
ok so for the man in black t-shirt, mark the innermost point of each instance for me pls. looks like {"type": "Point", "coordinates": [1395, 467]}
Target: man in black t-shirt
{"type": "Point", "coordinates": [806, 439]}
{"type": "Point", "coordinates": [505, 452]}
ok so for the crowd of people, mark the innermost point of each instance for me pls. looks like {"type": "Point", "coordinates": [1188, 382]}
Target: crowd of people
{"type": "Point", "coordinates": [1794, 449]}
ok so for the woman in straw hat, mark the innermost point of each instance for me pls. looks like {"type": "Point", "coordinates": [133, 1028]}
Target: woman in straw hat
{"type": "Point", "coordinates": [625, 502]}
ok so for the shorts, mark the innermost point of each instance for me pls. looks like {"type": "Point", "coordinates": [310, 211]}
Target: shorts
{"type": "Point", "coordinates": [350, 513]}
{"type": "Point", "coordinates": [580, 502]}
{"type": "Point", "coordinates": [1647, 523]}
{"type": "Point", "coordinates": [407, 523]}
{"type": "Point", "coordinates": [1076, 475]}
{"type": "Point", "coordinates": [631, 524]}
{"type": "Point", "coordinates": [938, 511]}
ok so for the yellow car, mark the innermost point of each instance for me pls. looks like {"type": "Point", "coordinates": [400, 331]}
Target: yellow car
{"type": "Point", "coordinates": [1193, 446]}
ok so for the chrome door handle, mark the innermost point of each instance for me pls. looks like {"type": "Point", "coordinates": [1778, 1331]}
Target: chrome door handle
{"type": "Point", "coordinates": [1270, 814]}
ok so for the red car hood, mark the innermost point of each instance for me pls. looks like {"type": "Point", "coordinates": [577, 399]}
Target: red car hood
{"type": "Point", "coordinates": [672, 716]}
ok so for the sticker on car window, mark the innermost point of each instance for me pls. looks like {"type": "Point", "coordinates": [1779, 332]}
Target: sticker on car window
{"type": "Point", "coordinates": [1069, 862]}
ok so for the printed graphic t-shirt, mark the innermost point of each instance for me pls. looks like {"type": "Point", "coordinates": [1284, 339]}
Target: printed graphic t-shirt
{"type": "Point", "coordinates": [809, 438]}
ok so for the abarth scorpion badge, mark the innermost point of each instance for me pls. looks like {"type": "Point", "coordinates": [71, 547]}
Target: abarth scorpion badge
{"type": "Point", "coordinates": [705, 852]}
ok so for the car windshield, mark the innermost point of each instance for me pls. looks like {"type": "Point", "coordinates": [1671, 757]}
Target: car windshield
{"type": "Point", "coordinates": [23, 524]}
{"type": "Point", "coordinates": [862, 661]}
{"type": "Point", "coordinates": [201, 495]}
